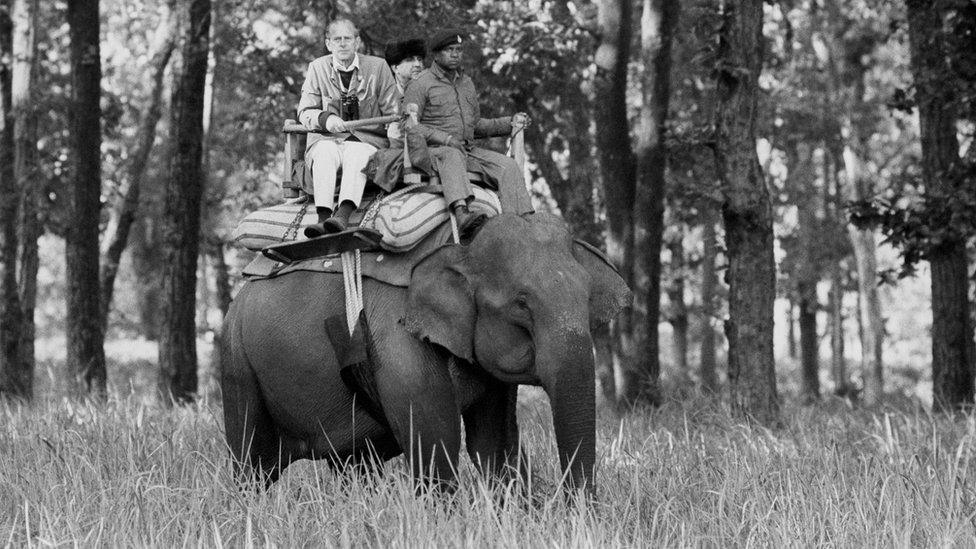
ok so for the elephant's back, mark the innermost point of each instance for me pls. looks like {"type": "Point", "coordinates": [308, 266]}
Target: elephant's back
{"type": "Point", "coordinates": [281, 315]}
{"type": "Point", "coordinates": [302, 289]}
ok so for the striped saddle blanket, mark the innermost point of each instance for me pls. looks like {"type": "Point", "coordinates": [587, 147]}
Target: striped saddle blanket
{"type": "Point", "coordinates": [404, 218]}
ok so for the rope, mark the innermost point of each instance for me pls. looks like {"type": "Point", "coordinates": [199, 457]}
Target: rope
{"type": "Point", "coordinates": [454, 227]}
{"type": "Point", "coordinates": [352, 279]}
{"type": "Point", "coordinates": [352, 262]}
{"type": "Point", "coordinates": [352, 268]}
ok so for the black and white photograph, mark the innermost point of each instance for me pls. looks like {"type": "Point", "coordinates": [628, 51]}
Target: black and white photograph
{"type": "Point", "coordinates": [487, 273]}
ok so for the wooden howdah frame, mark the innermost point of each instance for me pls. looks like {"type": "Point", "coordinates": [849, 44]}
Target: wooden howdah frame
{"type": "Point", "coordinates": [296, 140]}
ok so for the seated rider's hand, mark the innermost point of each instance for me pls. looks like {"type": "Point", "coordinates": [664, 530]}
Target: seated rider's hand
{"type": "Point", "coordinates": [520, 120]}
{"type": "Point", "coordinates": [456, 143]}
{"type": "Point", "coordinates": [334, 124]}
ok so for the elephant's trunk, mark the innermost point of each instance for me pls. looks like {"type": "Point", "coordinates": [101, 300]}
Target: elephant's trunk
{"type": "Point", "coordinates": [568, 378]}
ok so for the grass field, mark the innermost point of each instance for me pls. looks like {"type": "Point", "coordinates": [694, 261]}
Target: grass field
{"type": "Point", "coordinates": [131, 473]}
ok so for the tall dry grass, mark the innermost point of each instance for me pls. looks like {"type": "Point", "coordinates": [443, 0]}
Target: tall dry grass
{"type": "Point", "coordinates": [131, 473]}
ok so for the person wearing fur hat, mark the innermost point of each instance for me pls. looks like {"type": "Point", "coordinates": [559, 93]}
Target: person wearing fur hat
{"type": "Point", "coordinates": [338, 88]}
{"type": "Point", "coordinates": [450, 120]}
{"type": "Point", "coordinates": [406, 58]}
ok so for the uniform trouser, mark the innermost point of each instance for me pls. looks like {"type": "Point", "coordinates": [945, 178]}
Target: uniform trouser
{"type": "Point", "coordinates": [325, 157]}
{"type": "Point", "coordinates": [452, 166]}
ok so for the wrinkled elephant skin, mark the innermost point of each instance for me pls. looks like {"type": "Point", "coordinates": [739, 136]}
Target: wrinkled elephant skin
{"type": "Point", "coordinates": [515, 306]}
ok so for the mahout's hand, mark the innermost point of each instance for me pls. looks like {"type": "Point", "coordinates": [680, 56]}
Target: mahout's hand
{"type": "Point", "coordinates": [520, 121]}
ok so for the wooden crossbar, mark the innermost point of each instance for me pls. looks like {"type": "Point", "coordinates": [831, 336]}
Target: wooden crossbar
{"type": "Point", "coordinates": [292, 126]}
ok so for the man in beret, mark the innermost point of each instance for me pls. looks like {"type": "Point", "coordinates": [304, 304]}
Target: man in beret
{"type": "Point", "coordinates": [338, 88]}
{"type": "Point", "coordinates": [406, 59]}
{"type": "Point", "coordinates": [450, 120]}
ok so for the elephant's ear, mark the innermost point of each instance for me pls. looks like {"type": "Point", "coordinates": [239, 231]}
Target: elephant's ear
{"type": "Point", "coordinates": [608, 291]}
{"type": "Point", "coordinates": [440, 303]}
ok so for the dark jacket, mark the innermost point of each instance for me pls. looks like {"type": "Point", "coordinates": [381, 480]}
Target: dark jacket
{"type": "Point", "coordinates": [448, 107]}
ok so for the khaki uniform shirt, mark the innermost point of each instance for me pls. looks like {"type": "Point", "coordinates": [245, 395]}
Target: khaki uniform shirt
{"type": "Point", "coordinates": [447, 106]}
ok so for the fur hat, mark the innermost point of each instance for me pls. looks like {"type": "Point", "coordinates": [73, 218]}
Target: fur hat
{"type": "Point", "coordinates": [396, 52]}
{"type": "Point", "coordinates": [443, 38]}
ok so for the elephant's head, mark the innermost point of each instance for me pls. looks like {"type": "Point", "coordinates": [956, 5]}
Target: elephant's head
{"type": "Point", "coordinates": [520, 301]}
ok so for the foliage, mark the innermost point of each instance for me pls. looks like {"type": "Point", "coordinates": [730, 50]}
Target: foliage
{"type": "Point", "coordinates": [917, 222]}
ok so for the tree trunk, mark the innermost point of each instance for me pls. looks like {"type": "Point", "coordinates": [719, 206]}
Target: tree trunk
{"type": "Point", "coordinates": [86, 355]}
{"type": "Point", "coordinates": [26, 176]}
{"type": "Point", "coordinates": [707, 372]}
{"type": "Point", "coordinates": [872, 323]}
{"type": "Point", "coordinates": [139, 158]}
{"type": "Point", "coordinates": [181, 218]}
{"type": "Point", "coordinates": [633, 185]}
{"type": "Point", "coordinates": [791, 326]}
{"type": "Point", "coordinates": [222, 277]}
{"type": "Point", "coordinates": [677, 308]}
{"type": "Point", "coordinates": [657, 28]}
{"type": "Point", "coordinates": [953, 349]}
{"type": "Point", "coordinates": [802, 178]}
{"type": "Point", "coordinates": [10, 312]}
{"type": "Point", "coordinates": [838, 362]}
{"type": "Point", "coordinates": [204, 296]}
{"type": "Point", "coordinates": [847, 72]}
{"type": "Point", "coordinates": [952, 332]}
{"type": "Point", "coordinates": [618, 169]}
{"type": "Point", "coordinates": [858, 188]}
{"type": "Point", "coordinates": [833, 207]}
{"type": "Point", "coordinates": [147, 265]}
{"type": "Point", "coordinates": [747, 215]}
{"type": "Point", "coordinates": [809, 343]}
{"type": "Point", "coordinates": [865, 257]}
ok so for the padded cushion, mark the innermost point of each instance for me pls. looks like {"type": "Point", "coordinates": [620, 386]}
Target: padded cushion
{"type": "Point", "coordinates": [403, 219]}
{"type": "Point", "coordinates": [267, 226]}
{"type": "Point", "coordinates": [406, 219]}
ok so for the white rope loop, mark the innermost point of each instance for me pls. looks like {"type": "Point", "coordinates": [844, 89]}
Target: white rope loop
{"type": "Point", "coordinates": [352, 263]}
{"type": "Point", "coordinates": [352, 278]}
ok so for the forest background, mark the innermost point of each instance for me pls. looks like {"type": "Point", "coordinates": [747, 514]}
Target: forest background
{"type": "Point", "coordinates": [788, 187]}
{"type": "Point", "coordinates": [837, 133]}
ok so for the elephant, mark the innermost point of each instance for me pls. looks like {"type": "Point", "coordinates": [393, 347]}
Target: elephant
{"type": "Point", "coordinates": [515, 305]}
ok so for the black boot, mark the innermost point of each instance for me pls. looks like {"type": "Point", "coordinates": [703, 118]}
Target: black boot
{"type": "Point", "coordinates": [461, 213]}
{"type": "Point", "coordinates": [467, 222]}
{"type": "Point", "coordinates": [319, 229]}
{"type": "Point", "coordinates": [340, 220]}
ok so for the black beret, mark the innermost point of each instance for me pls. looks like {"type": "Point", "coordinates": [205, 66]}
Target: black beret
{"type": "Point", "coordinates": [443, 38]}
{"type": "Point", "coordinates": [396, 52]}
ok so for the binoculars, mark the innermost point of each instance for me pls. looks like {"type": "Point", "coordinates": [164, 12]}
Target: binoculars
{"type": "Point", "coordinates": [349, 107]}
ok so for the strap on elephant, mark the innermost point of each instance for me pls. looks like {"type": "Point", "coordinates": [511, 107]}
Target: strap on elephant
{"type": "Point", "coordinates": [354, 355]}
{"type": "Point", "coordinates": [353, 351]}
{"type": "Point", "coordinates": [352, 340]}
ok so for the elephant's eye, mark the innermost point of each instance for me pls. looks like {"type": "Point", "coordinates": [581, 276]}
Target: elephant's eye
{"type": "Point", "coordinates": [519, 311]}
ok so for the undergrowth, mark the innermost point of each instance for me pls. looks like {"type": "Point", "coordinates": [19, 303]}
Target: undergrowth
{"type": "Point", "coordinates": [129, 472]}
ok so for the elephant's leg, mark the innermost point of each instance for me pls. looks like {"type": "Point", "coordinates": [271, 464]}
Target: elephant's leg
{"type": "Point", "coordinates": [417, 393]}
{"type": "Point", "coordinates": [492, 435]}
{"type": "Point", "coordinates": [252, 435]}
{"type": "Point", "coordinates": [418, 398]}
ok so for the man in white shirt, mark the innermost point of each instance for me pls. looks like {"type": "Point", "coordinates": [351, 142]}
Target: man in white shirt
{"type": "Point", "coordinates": [341, 87]}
